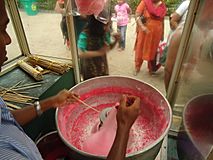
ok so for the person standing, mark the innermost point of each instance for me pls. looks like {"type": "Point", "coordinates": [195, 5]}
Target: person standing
{"type": "Point", "coordinates": [177, 20]}
{"type": "Point", "coordinates": [179, 16]}
{"type": "Point", "coordinates": [122, 12]}
{"type": "Point", "coordinates": [93, 44]}
{"type": "Point", "coordinates": [149, 18]}
{"type": "Point", "coordinates": [201, 32]}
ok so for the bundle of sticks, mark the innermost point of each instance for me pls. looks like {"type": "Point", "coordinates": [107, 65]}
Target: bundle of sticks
{"type": "Point", "coordinates": [17, 94]}
{"type": "Point", "coordinates": [49, 64]}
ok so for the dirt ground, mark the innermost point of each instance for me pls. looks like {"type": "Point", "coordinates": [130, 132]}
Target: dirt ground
{"type": "Point", "coordinates": [44, 38]}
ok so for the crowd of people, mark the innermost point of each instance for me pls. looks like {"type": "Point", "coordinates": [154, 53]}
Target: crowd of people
{"type": "Point", "coordinates": [149, 17]}
{"type": "Point", "coordinates": [15, 143]}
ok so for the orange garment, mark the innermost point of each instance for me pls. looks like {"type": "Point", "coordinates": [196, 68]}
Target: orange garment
{"type": "Point", "coordinates": [147, 43]}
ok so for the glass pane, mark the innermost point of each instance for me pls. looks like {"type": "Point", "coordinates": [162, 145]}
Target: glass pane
{"type": "Point", "coordinates": [197, 75]}
{"type": "Point", "coordinates": [42, 25]}
{"type": "Point", "coordinates": [13, 49]}
{"type": "Point", "coordinates": [195, 92]}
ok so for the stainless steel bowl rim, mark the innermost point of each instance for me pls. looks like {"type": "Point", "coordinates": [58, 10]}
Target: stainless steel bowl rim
{"type": "Point", "coordinates": [131, 154]}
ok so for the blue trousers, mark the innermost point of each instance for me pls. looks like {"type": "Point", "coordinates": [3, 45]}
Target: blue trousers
{"type": "Point", "coordinates": [122, 31]}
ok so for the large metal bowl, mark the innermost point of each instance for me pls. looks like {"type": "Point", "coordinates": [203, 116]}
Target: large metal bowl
{"type": "Point", "coordinates": [198, 123]}
{"type": "Point", "coordinates": [106, 91]}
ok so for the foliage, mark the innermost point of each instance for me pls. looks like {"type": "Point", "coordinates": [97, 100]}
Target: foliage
{"type": "Point", "coordinates": [132, 3]}
{"type": "Point", "coordinates": [171, 5]}
{"type": "Point", "coordinates": [46, 4]}
{"type": "Point", "coordinates": [50, 4]}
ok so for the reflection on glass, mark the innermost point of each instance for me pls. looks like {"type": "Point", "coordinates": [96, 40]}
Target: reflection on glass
{"type": "Point", "coordinates": [43, 31]}
{"type": "Point", "coordinates": [196, 89]}
{"type": "Point", "coordinates": [197, 75]}
{"type": "Point", "coordinates": [13, 49]}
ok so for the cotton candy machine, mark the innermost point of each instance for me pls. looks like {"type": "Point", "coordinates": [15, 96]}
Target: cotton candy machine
{"type": "Point", "coordinates": [198, 122]}
{"type": "Point", "coordinates": [76, 123]}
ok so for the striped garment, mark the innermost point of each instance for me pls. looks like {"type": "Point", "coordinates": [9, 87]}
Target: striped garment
{"type": "Point", "coordinates": [14, 143]}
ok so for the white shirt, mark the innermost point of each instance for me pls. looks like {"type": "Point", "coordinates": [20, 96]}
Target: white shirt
{"type": "Point", "coordinates": [14, 143]}
{"type": "Point", "coordinates": [182, 10]}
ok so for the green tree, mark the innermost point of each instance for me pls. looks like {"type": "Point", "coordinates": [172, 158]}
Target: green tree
{"type": "Point", "coordinates": [50, 4]}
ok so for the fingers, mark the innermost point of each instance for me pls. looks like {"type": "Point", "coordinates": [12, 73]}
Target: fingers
{"type": "Point", "coordinates": [137, 105]}
{"type": "Point", "coordinates": [123, 101]}
{"type": "Point", "coordinates": [128, 100]}
{"type": "Point", "coordinates": [66, 96]}
{"type": "Point", "coordinates": [73, 95]}
{"type": "Point", "coordinates": [137, 102]}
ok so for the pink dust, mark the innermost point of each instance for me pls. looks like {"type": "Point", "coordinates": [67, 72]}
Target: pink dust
{"type": "Point", "coordinates": [76, 123]}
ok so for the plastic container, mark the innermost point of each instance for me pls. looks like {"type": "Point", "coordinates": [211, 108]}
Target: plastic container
{"type": "Point", "coordinates": [30, 7]}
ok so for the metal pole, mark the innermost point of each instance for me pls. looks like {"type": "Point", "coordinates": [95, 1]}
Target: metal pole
{"type": "Point", "coordinates": [72, 38]}
{"type": "Point", "coordinates": [182, 52]}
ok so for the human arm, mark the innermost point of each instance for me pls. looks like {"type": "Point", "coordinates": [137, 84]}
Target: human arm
{"type": "Point", "coordinates": [171, 56]}
{"type": "Point", "coordinates": [117, 37]}
{"type": "Point", "coordinates": [129, 11]}
{"type": "Point", "coordinates": [139, 22]}
{"type": "Point", "coordinates": [140, 12]}
{"type": "Point", "coordinates": [90, 54]}
{"type": "Point", "coordinates": [126, 116]}
{"type": "Point", "coordinates": [59, 8]}
{"type": "Point", "coordinates": [176, 16]}
{"type": "Point", "coordinates": [26, 114]}
{"type": "Point", "coordinates": [174, 20]}
{"type": "Point", "coordinates": [82, 48]}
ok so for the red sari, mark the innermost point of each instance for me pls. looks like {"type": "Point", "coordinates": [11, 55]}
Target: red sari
{"type": "Point", "coordinates": [147, 43]}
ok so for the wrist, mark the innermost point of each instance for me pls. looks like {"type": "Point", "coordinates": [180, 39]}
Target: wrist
{"type": "Point", "coordinates": [48, 104]}
{"type": "Point", "coordinates": [52, 102]}
{"type": "Point", "coordinates": [124, 128]}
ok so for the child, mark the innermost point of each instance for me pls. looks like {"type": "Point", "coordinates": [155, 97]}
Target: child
{"type": "Point", "coordinates": [122, 11]}
{"type": "Point", "coordinates": [93, 44]}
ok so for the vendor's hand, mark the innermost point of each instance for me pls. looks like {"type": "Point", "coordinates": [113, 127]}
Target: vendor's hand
{"type": "Point", "coordinates": [63, 97]}
{"type": "Point", "coordinates": [128, 111]}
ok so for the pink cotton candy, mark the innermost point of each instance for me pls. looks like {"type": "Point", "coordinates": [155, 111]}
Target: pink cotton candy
{"type": "Point", "coordinates": [89, 7]}
{"type": "Point", "coordinates": [100, 142]}
{"type": "Point", "coordinates": [77, 124]}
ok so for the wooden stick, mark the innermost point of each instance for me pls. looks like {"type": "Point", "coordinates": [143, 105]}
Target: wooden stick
{"type": "Point", "coordinates": [18, 96]}
{"type": "Point", "coordinates": [10, 108]}
{"type": "Point", "coordinates": [82, 102]}
{"type": "Point", "coordinates": [12, 105]}
{"type": "Point", "coordinates": [27, 87]}
{"type": "Point", "coordinates": [31, 84]}
{"type": "Point", "coordinates": [12, 92]}
{"type": "Point", "coordinates": [7, 90]}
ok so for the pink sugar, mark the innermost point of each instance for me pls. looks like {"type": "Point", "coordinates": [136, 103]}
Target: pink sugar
{"type": "Point", "coordinates": [148, 127]}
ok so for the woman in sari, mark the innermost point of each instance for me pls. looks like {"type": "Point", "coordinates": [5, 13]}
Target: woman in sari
{"type": "Point", "coordinates": [149, 17]}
